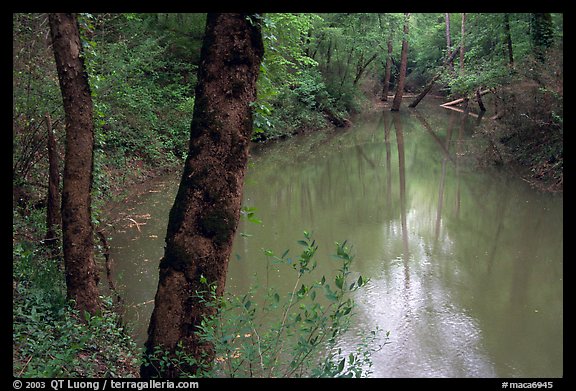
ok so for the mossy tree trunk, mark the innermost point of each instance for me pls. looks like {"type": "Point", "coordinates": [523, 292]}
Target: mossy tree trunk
{"type": "Point", "coordinates": [77, 230]}
{"type": "Point", "coordinates": [206, 211]}
{"type": "Point", "coordinates": [541, 33]}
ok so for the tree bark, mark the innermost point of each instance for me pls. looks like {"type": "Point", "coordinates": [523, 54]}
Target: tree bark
{"type": "Point", "coordinates": [206, 211]}
{"type": "Point", "coordinates": [403, 65]}
{"type": "Point", "coordinates": [386, 88]}
{"type": "Point", "coordinates": [53, 216]}
{"type": "Point", "coordinates": [77, 231]}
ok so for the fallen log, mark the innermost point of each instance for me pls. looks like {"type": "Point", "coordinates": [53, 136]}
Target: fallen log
{"type": "Point", "coordinates": [455, 102]}
{"type": "Point", "coordinates": [460, 110]}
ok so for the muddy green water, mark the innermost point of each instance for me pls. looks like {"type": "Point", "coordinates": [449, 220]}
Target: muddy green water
{"type": "Point", "coordinates": [465, 260]}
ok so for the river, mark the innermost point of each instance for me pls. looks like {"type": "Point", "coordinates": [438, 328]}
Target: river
{"type": "Point", "coordinates": [465, 259]}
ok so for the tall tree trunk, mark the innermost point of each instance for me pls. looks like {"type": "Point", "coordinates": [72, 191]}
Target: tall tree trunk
{"type": "Point", "coordinates": [541, 33]}
{"type": "Point", "coordinates": [462, 44]}
{"type": "Point", "coordinates": [77, 231]}
{"type": "Point", "coordinates": [53, 216]}
{"type": "Point", "coordinates": [508, 38]}
{"type": "Point", "coordinates": [403, 65]}
{"type": "Point", "coordinates": [386, 88]}
{"type": "Point", "coordinates": [449, 41]}
{"type": "Point", "coordinates": [205, 214]}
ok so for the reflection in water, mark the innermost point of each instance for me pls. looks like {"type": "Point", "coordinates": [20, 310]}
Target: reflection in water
{"type": "Point", "coordinates": [465, 263]}
{"type": "Point", "coordinates": [449, 340]}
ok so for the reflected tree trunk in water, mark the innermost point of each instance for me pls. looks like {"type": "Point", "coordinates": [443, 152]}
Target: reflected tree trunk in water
{"type": "Point", "coordinates": [402, 178]}
{"type": "Point", "coordinates": [442, 181]}
{"type": "Point", "coordinates": [388, 163]}
{"type": "Point", "coordinates": [458, 154]}
{"type": "Point", "coordinates": [502, 207]}
{"type": "Point", "coordinates": [434, 135]}
{"type": "Point", "coordinates": [306, 201]}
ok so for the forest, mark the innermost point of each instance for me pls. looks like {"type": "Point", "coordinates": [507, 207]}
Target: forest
{"type": "Point", "coordinates": [105, 102]}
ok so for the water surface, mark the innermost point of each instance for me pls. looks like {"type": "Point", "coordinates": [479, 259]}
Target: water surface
{"type": "Point", "coordinates": [465, 259]}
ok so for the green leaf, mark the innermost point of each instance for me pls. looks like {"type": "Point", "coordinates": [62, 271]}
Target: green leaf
{"type": "Point", "coordinates": [341, 365]}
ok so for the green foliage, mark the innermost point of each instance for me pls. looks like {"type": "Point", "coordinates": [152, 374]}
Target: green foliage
{"type": "Point", "coordinates": [50, 339]}
{"type": "Point", "coordinates": [143, 107]}
{"type": "Point", "coordinates": [285, 334]}
{"type": "Point", "coordinates": [59, 344]}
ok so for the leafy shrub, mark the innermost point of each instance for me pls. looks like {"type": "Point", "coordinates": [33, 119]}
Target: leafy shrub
{"type": "Point", "coordinates": [284, 335]}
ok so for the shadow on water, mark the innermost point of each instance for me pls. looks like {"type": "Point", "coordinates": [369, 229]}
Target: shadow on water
{"type": "Point", "coordinates": [465, 261]}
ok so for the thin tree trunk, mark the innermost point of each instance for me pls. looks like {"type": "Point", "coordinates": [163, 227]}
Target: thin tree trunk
{"type": "Point", "coordinates": [77, 231]}
{"type": "Point", "coordinates": [462, 44]}
{"type": "Point", "coordinates": [430, 84]}
{"type": "Point", "coordinates": [449, 41]}
{"type": "Point", "coordinates": [386, 88]}
{"type": "Point", "coordinates": [425, 91]}
{"type": "Point", "coordinates": [206, 211]}
{"type": "Point", "coordinates": [403, 65]}
{"type": "Point", "coordinates": [345, 76]}
{"type": "Point", "coordinates": [508, 40]}
{"type": "Point", "coordinates": [479, 99]}
{"type": "Point", "coordinates": [362, 67]}
{"type": "Point", "coordinates": [53, 216]}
